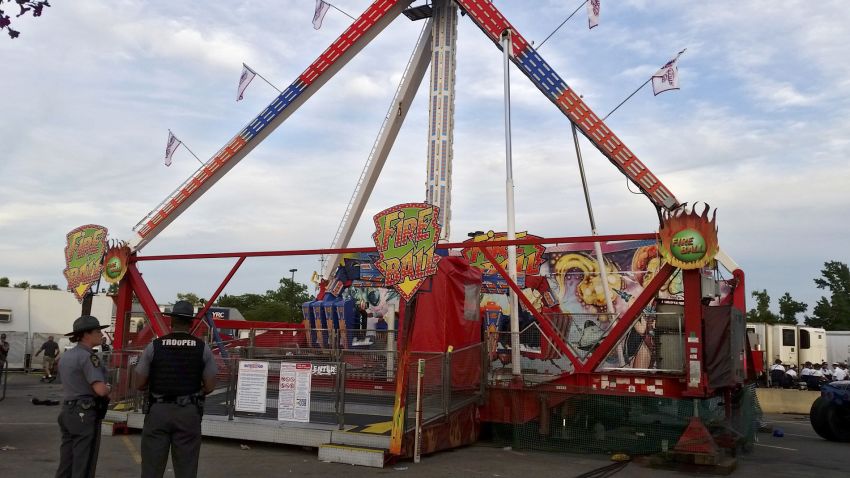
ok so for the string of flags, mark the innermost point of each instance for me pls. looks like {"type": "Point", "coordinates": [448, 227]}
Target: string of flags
{"type": "Point", "coordinates": [665, 79]}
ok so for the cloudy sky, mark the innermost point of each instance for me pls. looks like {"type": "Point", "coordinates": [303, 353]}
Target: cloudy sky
{"type": "Point", "coordinates": [760, 130]}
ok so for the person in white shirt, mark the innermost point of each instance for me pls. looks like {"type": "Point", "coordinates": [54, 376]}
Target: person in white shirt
{"type": "Point", "coordinates": [840, 373]}
{"type": "Point", "coordinates": [777, 373]}
{"type": "Point", "coordinates": [827, 372]}
{"type": "Point", "coordinates": [792, 371]}
{"type": "Point", "coordinates": [807, 370]}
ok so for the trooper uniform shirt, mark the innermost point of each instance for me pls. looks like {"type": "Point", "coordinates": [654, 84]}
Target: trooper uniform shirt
{"type": "Point", "coordinates": [79, 368]}
{"type": "Point", "coordinates": [173, 362]}
{"type": "Point", "coordinates": [175, 366]}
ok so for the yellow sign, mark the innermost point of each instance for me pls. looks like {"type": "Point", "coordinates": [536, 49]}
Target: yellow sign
{"type": "Point", "coordinates": [84, 258]}
{"type": "Point", "coordinates": [406, 237]}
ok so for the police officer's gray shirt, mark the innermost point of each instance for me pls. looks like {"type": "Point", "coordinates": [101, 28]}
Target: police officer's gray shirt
{"type": "Point", "coordinates": [143, 368]}
{"type": "Point", "coordinates": [79, 371]}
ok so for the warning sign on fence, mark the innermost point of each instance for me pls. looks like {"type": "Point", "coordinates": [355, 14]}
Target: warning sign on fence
{"type": "Point", "coordinates": [294, 394]}
{"type": "Point", "coordinates": [251, 386]}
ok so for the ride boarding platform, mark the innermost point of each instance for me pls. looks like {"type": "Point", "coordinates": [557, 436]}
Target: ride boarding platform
{"type": "Point", "coordinates": [343, 401]}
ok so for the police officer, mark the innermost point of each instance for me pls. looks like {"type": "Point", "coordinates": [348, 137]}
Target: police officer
{"type": "Point", "coordinates": [84, 401]}
{"type": "Point", "coordinates": [178, 370]}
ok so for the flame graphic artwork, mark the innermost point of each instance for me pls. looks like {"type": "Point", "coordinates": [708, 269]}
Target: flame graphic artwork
{"type": "Point", "coordinates": [115, 261]}
{"type": "Point", "coordinates": [689, 239]}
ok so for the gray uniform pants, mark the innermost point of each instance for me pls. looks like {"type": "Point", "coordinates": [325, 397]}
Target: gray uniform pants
{"type": "Point", "coordinates": [80, 442]}
{"type": "Point", "coordinates": [169, 426]}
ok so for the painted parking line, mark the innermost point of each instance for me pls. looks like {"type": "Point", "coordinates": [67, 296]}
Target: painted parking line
{"type": "Point", "coordinates": [778, 447]}
{"type": "Point", "coordinates": [29, 424]}
{"type": "Point", "coordinates": [132, 449]}
{"type": "Point", "coordinates": [803, 436]}
{"type": "Point", "coordinates": [798, 422]}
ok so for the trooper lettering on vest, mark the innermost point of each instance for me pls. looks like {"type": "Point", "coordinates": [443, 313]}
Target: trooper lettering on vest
{"type": "Point", "coordinates": [177, 366]}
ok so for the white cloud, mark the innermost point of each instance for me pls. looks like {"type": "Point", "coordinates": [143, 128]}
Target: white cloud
{"type": "Point", "coordinates": [758, 130]}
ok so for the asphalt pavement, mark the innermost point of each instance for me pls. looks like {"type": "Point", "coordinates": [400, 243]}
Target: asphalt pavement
{"type": "Point", "coordinates": [29, 446]}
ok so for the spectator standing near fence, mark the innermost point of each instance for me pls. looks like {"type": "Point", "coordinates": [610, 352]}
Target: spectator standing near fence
{"type": "Point", "coordinates": [85, 397]}
{"type": "Point", "coordinates": [4, 350]}
{"type": "Point", "coordinates": [51, 351]}
{"type": "Point", "coordinates": [178, 370]}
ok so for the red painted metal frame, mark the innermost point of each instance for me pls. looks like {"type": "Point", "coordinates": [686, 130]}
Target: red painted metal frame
{"type": "Point", "coordinates": [541, 319]}
{"type": "Point", "coordinates": [627, 320]}
{"type": "Point", "coordinates": [146, 300]}
{"type": "Point", "coordinates": [450, 245]}
{"type": "Point", "coordinates": [692, 282]}
{"type": "Point", "coordinates": [615, 334]}
{"type": "Point", "coordinates": [134, 283]}
{"type": "Point", "coordinates": [212, 299]}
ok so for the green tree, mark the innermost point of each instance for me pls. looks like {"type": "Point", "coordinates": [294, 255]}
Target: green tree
{"type": "Point", "coordinates": [762, 311]}
{"type": "Point", "coordinates": [45, 286]}
{"type": "Point", "coordinates": [192, 298]}
{"type": "Point", "coordinates": [22, 285]}
{"type": "Point", "coordinates": [4, 282]}
{"type": "Point", "coordinates": [278, 305]}
{"type": "Point", "coordinates": [832, 313]}
{"type": "Point", "coordinates": [789, 308]}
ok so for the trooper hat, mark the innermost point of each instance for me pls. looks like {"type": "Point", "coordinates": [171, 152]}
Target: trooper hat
{"type": "Point", "coordinates": [182, 309]}
{"type": "Point", "coordinates": [84, 323]}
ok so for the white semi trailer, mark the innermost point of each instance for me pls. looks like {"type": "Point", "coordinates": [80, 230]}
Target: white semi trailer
{"type": "Point", "coordinates": [792, 344]}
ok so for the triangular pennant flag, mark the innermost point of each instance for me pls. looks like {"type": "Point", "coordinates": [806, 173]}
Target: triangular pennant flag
{"type": "Point", "coordinates": [667, 77]}
{"type": "Point", "coordinates": [321, 9]}
{"type": "Point", "coordinates": [244, 80]}
{"type": "Point", "coordinates": [593, 13]}
{"type": "Point", "coordinates": [173, 144]}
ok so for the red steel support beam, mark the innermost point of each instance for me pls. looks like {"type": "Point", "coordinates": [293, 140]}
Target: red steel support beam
{"type": "Point", "coordinates": [451, 245]}
{"type": "Point", "coordinates": [627, 320]}
{"type": "Point", "coordinates": [123, 305]}
{"type": "Point", "coordinates": [214, 297]}
{"type": "Point", "coordinates": [694, 370]}
{"type": "Point", "coordinates": [541, 319]}
{"type": "Point", "coordinates": [146, 300]}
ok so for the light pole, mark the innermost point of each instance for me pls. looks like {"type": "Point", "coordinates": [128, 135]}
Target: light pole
{"type": "Point", "coordinates": [293, 274]}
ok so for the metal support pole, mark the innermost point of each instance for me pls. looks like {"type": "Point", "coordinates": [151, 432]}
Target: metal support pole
{"type": "Point", "coordinates": [447, 382]}
{"type": "Point", "coordinates": [509, 193]}
{"type": "Point", "coordinates": [599, 259]}
{"type": "Point", "coordinates": [341, 380]}
{"type": "Point", "coordinates": [417, 446]}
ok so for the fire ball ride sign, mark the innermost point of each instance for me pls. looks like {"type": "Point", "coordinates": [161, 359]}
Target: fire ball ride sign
{"type": "Point", "coordinates": [115, 262]}
{"type": "Point", "coordinates": [83, 258]}
{"type": "Point", "coordinates": [406, 237]}
{"type": "Point", "coordinates": [688, 239]}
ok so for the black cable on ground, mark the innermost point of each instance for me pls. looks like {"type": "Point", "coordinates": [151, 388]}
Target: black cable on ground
{"type": "Point", "coordinates": [605, 471]}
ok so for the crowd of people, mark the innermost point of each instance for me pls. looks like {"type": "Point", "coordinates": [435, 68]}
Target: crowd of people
{"type": "Point", "coordinates": [810, 376]}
